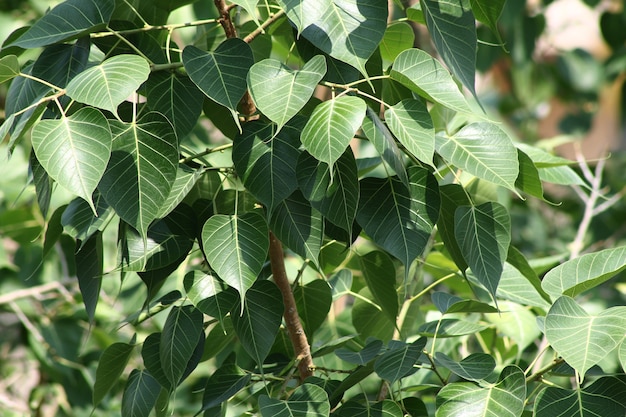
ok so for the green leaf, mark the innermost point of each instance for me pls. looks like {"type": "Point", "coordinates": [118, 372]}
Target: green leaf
{"type": "Point", "coordinates": [340, 282]}
{"type": "Point", "coordinates": [452, 27]}
{"type": "Point", "coordinates": [502, 399]}
{"type": "Point", "coordinates": [43, 184]}
{"type": "Point", "coordinates": [224, 383]}
{"type": "Point", "coordinates": [604, 397]}
{"type": "Point", "coordinates": [177, 98]}
{"type": "Point", "coordinates": [369, 352]}
{"type": "Point", "coordinates": [9, 69]}
{"type": "Point", "coordinates": [368, 318]}
{"type": "Point", "coordinates": [79, 221]}
{"type": "Point", "coordinates": [583, 340]}
{"type": "Point", "coordinates": [69, 19]}
{"type": "Point", "coordinates": [410, 122]}
{"type": "Point", "coordinates": [484, 235]}
{"type": "Point", "coordinates": [236, 247]}
{"type": "Point", "coordinates": [484, 150]}
{"type": "Point", "coordinates": [424, 75]}
{"type": "Point", "coordinates": [380, 276]}
{"type": "Point", "coordinates": [89, 271]}
{"type": "Point", "coordinates": [186, 178]}
{"type": "Point", "coordinates": [448, 303]}
{"type": "Point", "coordinates": [304, 13]}
{"type": "Point", "coordinates": [150, 354]}
{"type": "Point", "coordinates": [107, 85]}
{"type": "Point", "coordinates": [257, 322]}
{"type": "Point", "coordinates": [398, 37]}
{"type": "Point", "coordinates": [385, 408]}
{"type": "Point", "coordinates": [280, 92]}
{"type": "Point", "coordinates": [266, 161]}
{"type": "Point", "coordinates": [140, 394]}
{"type": "Point", "coordinates": [333, 191]}
{"type": "Point", "coordinates": [307, 400]}
{"type": "Point", "coordinates": [397, 219]}
{"type": "Point", "coordinates": [313, 302]}
{"type": "Point", "coordinates": [474, 367]}
{"type": "Point", "coordinates": [110, 368]}
{"type": "Point", "coordinates": [74, 150]}
{"type": "Point", "coordinates": [348, 30]}
{"type": "Point", "coordinates": [516, 322]}
{"type": "Point", "coordinates": [221, 74]}
{"type": "Point", "coordinates": [142, 169]}
{"type": "Point", "coordinates": [332, 126]}
{"type": "Point", "coordinates": [453, 196]}
{"type": "Point", "coordinates": [449, 328]}
{"type": "Point", "coordinates": [208, 294]}
{"type": "Point", "coordinates": [399, 359]}
{"type": "Point", "coordinates": [585, 272]}
{"type": "Point", "coordinates": [516, 287]}
{"type": "Point", "coordinates": [528, 179]}
{"type": "Point", "coordinates": [181, 332]}
{"type": "Point", "coordinates": [488, 13]}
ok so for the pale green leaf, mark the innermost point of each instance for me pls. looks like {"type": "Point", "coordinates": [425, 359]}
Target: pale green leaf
{"type": "Point", "coordinates": [411, 124]}
{"type": "Point", "coordinates": [517, 322]}
{"type": "Point", "coordinates": [398, 37]}
{"type": "Point", "coordinates": [280, 92]}
{"type": "Point", "coordinates": [474, 367]}
{"type": "Point", "coordinates": [332, 126]}
{"type": "Point", "coordinates": [585, 272]}
{"type": "Point", "coordinates": [307, 400]}
{"type": "Point", "coordinates": [516, 287]}
{"type": "Point", "coordinates": [140, 394]}
{"type": "Point", "coordinates": [110, 367]}
{"type": "Point", "coordinates": [488, 13]}
{"type": "Point", "coordinates": [107, 85]}
{"type": "Point", "coordinates": [236, 247]}
{"type": "Point", "coordinates": [181, 332]}
{"type": "Point", "coordinates": [448, 303]}
{"type": "Point", "coordinates": [303, 12]}
{"type": "Point", "coordinates": [75, 150]}
{"type": "Point", "coordinates": [583, 340]}
{"type": "Point", "coordinates": [9, 69]}
{"type": "Point", "coordinates": [450, 328]}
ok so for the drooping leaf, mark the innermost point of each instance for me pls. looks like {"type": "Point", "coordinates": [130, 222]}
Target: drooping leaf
{"type": "Point", "coordinates": [604, 397]}
{"type": "Point", "coordinates": [517, 259]}
{"type": "Point", "coordinates": [347, 30]}
{"type": "Point", "coordinates": [528, 179]}
{"type": "Point", "coordinates": [142, 169]}
{"type": "Point", "coordinates": [110, 368]}
{"type": "Point", "coordinates": [209, 295]}
{"type": "Point", "coordinates": [236, 247]}
{"type": "Point", "coordinates": [107, 85]}
{"type": "Point", "coordinates": [279, 92]}
{"type": "Point", "coordinates": [258, 321]}
{"type": "Point", "coordinates": [313, 301]}
{"type": "Point", "coordinates": [67, 20]}
{"type": "Point", "coordinates": [474, 367]}
{"type": "Point", "coordinates": [488, 13]}
{"type": "Point", "coordinates": [514, 286]}
{"type": "Point", "coordinates": [9, 68]}
{"type": "Point", "coordinates": [410, 122]}
{"type": "Point", "coordinates": [484, 235]}
{"type": "Point", "coordinates": [79, 221]}
{"type": "Point", "coordinates": [380, 276]}
{"type": "Point", "coordinates": [503, 399]}
{"type": "Point", "coordinates": [448, 303]}
{"type": "Point", "coordinates": [331, 127]}
{"type": "Point", "coordinates": [368, 318]}
{"type": "Point", "coordinates": [385, 408]}
{"type": "Point", "coordinates": [89, 271]}
{"type": "Point", "coordinates": [453, 196]}
{"type": "Point", "coordinates": [424, 75]}
{"type": "Point", "coordinates": [140, 394]}
{"type": "Point", "coordinates": [221, 74]}
{"type": "Point", "coordinates": [177, 98]}
{"type": "Point", "coordinates": [585, 272]}
{"type": "Point", "coordinates": [450, 328]}
{"type": "Point", "coordinates": [398, 37]}
{"type": "Point", "coordinates": [369, 352]}
{"type": "Point", "coordinates": [484, 150]}
{"type": "Point", "coordinates": [583, 340]}
{"type": "Point", "coordinates": [150, 354]}
{"type": "Point", "coordinates": [181, 332]}
{"type": "Point", "coordinates": [43, 184]}
{"type": "Point", "coordinates": [186, 178]}
{"type": "Point", "coordinates": [266, 161]}
{"type": "Point", "coordinates": [307, 400]}
{"type": "Point", "coordinates": [452, 27]}
{"type": "Point", "coordinates": [224, 383]}
{"type": "Point", "coordinates": [399, 359]}
{"type": "Point", "coordinates": [75, 150]}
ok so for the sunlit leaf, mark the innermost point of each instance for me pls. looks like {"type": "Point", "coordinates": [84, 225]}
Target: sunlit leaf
{"type": "Point", "coordinates": [307, 400]}
{"type": "Point", "coordinates": [368, 318]}
{"type": "Point", "coordinates": [399, 359]}
{"type": "Point", "coordinates": [516, 287]}
{"type": "Point", "coordinates": [517, 322]}
{"type": "Point", "coordinates": [449, 328]}
{"type": "Point", "coordinates": [398, 37]}
{"type": "Point", "coordinates": [304, 13]}
{"type": "Point", "coordinates": [474, 367]}
{"type": "Point", "coordinates": [488, 13]}
{"type": "Point", "coordinates": [410, 122]}
{"type": "Point", "coordinates": [9, 68]}
{"type": "Point", "coordinates": [448, 303]}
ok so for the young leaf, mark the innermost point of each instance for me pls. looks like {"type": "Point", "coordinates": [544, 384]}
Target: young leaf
{"type": "Point", "coordinates": [181, 332]}
{"type": "Point", "coordinates": [399, 359]}
{"type": "Point", "coordinates": [110, 368]}
{"type": "Point", "coordinates": [89, 271]}
{"type": "Point", "coordinates": [75, 150]}
{"type": "Point", "coordinates": [332, 126]}
{"type": "Point", "coordinates": [380, 276]}
{"type": "Point", "coordinates": [280, 92]}
{"type": "Point", "coordinates": [398, 37]}
{"type": "Point", "coordinates": [9, 68]}
{"type": "Point", "coordinates": [410, 122]}
{"type": "Point", "coordinates": [107, 85]}
{"type": "Point", "coordinates": [484, 234]}
{"type": "Point", "coordinates": [307, 400]}
{"type": "Point", "coordinates": [140, 394]}
{"type": "Point", "coordinates": [475, 367]}
{"type": "Point", "coordinates": [236, 247]}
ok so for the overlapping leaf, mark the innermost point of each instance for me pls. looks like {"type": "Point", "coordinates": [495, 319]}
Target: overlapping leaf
{"type": "Point", "coordinates": [399, 359]}
{"type": "Point", "coordinates": [209, 294]}
{"type": "Point", "coordinates": [369, 352]}
{"type": "Point", "coordinates": [75, 150]}
{"type": "Point", "coordinates": [78, 219]}
{"type": "Point", "coordinates": [107, 85]}
{"type": "Point", "coordinates": [450, 328]}
{"type": "Point", "coordinates": [448, 303]}
{"type": "Point", "coordinates": [484, 150]}
{"type": "Point", "coordinates": [186, 178]}
{"type": "Point", "coordinates": [331, 127]}
{"type": "Point", "coordinates": [89, 271]}
{"type": "Point", "coordinates": [488, 13]}
{"type": "Point", "coordinates": [142, 169]}
{"type": "Point", "coordinates": [474, 367]}
{"type": "Point", "coordinates": [181, 332]}
{"type": "Point", "coordinates": [517, 322]}
{"type": "Point", "coordinates": [279, 92]}
{"type": "Point", "coordinates": [380, 276]}
{"type": "Point", "coordinates": [313, 301]}
{"type": "Point", "coordinates": [236, 247]}
{"type": "Point", "coordinates": [398, 37]}
{"type": "Point", "coordinates": [9, 68]}
{"type": "Point", "coordinates": [307, 400]}
{"type": "Point", "coordinates": [110, 368]}
{"type": "Point", "coordinates": [140, 394]}
{"type": "Point", "coordinates": [348, 30]}
{"type": "Point", "coordinates": [304, 13]}
{"type": "Point", "coordinates": [385, 408]}
{"type": "Point", "coordinates": [224, 383]}
{"type": "Point", "coordinates": [410, 122]}
{"type": "Point", "coordinates": [69, 19]}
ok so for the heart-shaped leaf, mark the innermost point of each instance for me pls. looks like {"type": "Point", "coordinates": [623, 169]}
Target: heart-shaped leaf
{"type": "Point", "coordinates": [9, 68]}
{"type": "Point", "coordinates": [398, 37]}
{"type": "Point", "coordinates": [236, 247]}
{"type": "Point", "coordinates": [313, 301]}
{"type": "Point", "coordinates": [398, 361]}
{"type": "Point", "coordinates": [488, 13]}
{"type": "Point", "coordinates": [75, 150]}
{"type": "Point", "coordinates": [385, 408]}
{"type": "Point", "coordinates": [332, 126]}
{"type": "Point", "coordinates": [280, 92]}
{"type": "Point", "coordinates": [209, 294]}
{"type": "Point", "coordinates": [221, 74]}
{"type": "Point", "coordinates": [369, 352]}
{"type": "Point", "coordinates": [107, 85]}
{"type": "Point", "coordinates": [225, 382]}
{"type": "Point", "coordinates": [380, 276]}
{"type": "Point", "coordinates": [410, 122]}
{"type": "Point", "coordinates": [583, 340]}
{"type": "Point", "coordinates": [307, 400]}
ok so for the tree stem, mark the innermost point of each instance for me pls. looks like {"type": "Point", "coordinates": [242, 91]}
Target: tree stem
{"type": "Point", "coordinates": [292, 319]}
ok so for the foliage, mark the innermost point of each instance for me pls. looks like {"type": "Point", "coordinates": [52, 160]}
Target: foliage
{"type": "Point", "coordinates": [294, 208]}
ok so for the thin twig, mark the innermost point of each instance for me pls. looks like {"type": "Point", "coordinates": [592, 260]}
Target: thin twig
{"type": "Point", "coordinates": [29, 292]}
{"type": "Point", "coordinates": [261, 29]}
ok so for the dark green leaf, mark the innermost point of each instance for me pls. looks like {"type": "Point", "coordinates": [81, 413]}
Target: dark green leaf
{"type": "Point", "coordinates": [410, 122]}
{"type": "Point", "coordinates": [89, 271]}
{"type": "Point", "coordinates": [110, 368]}
{"type": "Point", "coordinates": [43, 185]}
{"type": "Point", "coordinates": [140, 394]}
{"type": "Point", "coordinates": [369, 352]}
{"type": "Point", "coordinates": [313, 302]}
{"type": "Point", "coordinates": [452, 197]}
{"type": "Point", "coordinates": [448, 303]}
{"type": "Point", "coordinates": [385, 408]}
{"type": "Point", "coordinates": [79, 221]}
{"type": "Point", "coordinates": [399, 359]}
{"type": "Point", "coordinates": [152, 359]}
{"type": "Point", "coordinates": [475, 367]}
{"type": "Point", "coordinates": [369, 319]}
{"type": "Point", "coordinates": [209, 295]}
{"type": "Point", "coordinates": [528, 179]}
{"type": "Point", "coordinates": [224, 383]}
{"type": "Point", "coordinates": [181, 332]}
{"type": "Point", "coordinates": [186, 178]}
{"type": "Point", "coordinates": [380, 276]}
{"type": "Point", "coordinates": [307, 400]}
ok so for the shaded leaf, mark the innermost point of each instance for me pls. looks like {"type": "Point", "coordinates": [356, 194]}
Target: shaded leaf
{"type": "Point", "coordinates": [78, 219]}
{"type": "Point", "coordinates": [410, 122]}
{"type": "Point", "coordinates": [303, 13]}
{"type": "Point", "coordinates": [380, 276]}
{"type": "Point", "coordinates": [448, 303]}
{"type": "Point", "coordinates": [528, 179]}
{"type": "Point", "coordinates": [43, 185]}
{"type": "Point", "coordinates": [140, 394]}
{"type": "Point", "coordinates": [385, 408]}
{"type": "Point", "coordinates": [399, 359]}
{"type": "Point", "coordinates": [209, 295]}
{"type": "Point", "coordinates": [313, 302]}
{"type": "Point", "coordinates": [89, 271]}
{"type": "Point", "coordinates": [152, 360]}
{"type": "Point", "coordinates": [186, 178]}
{"type": "Point", "coordinates": [224, 383]}
{"type": "Point", "coordinates": [369, 352]}
{"type": "Point", "coordinates": [368, 318]}
{"type": "Point", "coordinates": [488, 13]}
{"type": "Point", "coordinates": [449, 328]}
{"type": "Point", "coordinates": [181, 332]}
{"type": "Point", "coordinates": [453, 196]}
{"type": "Point", "coordinates": [473, 367]}
{"type": "Point", "coordinates": [110, 368]}
{"type": "Point", "coordinates": [307, 400]}
{"type": "Point", "coordinates": [516, 322]}
{"type": "Point", "coordinates": [516, 287]}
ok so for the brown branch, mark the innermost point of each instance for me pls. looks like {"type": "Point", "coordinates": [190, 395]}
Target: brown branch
{"type": "Point", "coordinates": [225, 20]}
{"type": "Point", "coordinates": [292, 320]}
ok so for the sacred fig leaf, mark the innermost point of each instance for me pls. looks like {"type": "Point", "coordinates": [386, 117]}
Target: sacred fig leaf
{"type": "Point", "coordinates": [75, 150]}
{"type": "Point", "coordinates": [398, 37]}
{"type": "Point", "coordinates": [303, 13]}
{"type": "Point", "coordinates": [397, 362]}
{"type": "Point", "coordinates": [307, 400]}
{"type": "Point", "coordinates": [380, 276]}
{"type": "Point", "coordinates": [69, 19]}
{"type": "Point", "coordinates": [348, 30]}
{"type": "Point", "coordinates": [313, 301]}
{"type": "Point", "coordinates": [107, 85]}
{"type": "Point", "coordinates": [9, 68]}
{"type": "Point", "coordinates": [140, 394]}
{"type": "Point", "coordinates": [475, 367]}
{"type": "Point", "coordinates": [110, 368]}
{"type": "Point", "coordinates": [236, 247]}
{"type": "Point", "coordinates": [89, 271]}
{"type": "Point", "coordinates": [225, 382]}
{"type": "Point", "coordinates": [221, 74]}
{"type": "Point", "coordinates": [279, 92]}
{"type": "Point", "coordinates": [582, 339]}
{"type": "Point", "coordinates": [410, 122]}
{"type": "Point", "coordinates": [181, 332]}
{"type": "Point", "coordinates": [332, 125]}
{"type": "Point", "coordinates": [488, 13]}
